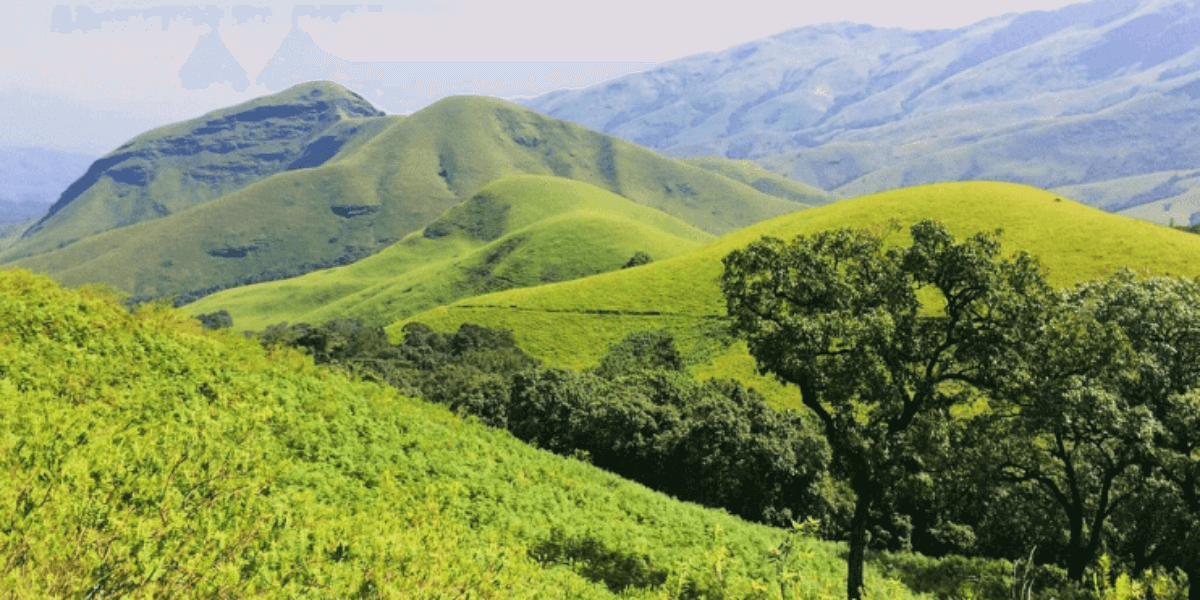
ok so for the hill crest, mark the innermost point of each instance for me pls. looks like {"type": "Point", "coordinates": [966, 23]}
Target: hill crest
{"type": "Point", "coordinates": [392, 176]}
{"type": "Point", "coordinates": [174, 167]}
{"type": "Point", "coordinates": [570, 323]}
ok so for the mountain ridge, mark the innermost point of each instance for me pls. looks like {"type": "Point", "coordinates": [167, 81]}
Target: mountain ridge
{"type": "Point", "coordinates": [177, 166]}
{"type": "Point", "coordinates": [1082, 95]}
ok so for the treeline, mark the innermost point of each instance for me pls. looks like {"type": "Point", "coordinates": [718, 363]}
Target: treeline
{"type": "Point", "coordinates": [639, 414]}
{"type": "Point", "coordinates": [1081, 452]}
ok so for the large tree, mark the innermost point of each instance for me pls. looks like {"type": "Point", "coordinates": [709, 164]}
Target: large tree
{"type": "Point", "coordinates": [1073, 426]}
{"type": "Point", "coordinates": [881, 342]}
{"type": "Point", "coordinates": [1161, 318]}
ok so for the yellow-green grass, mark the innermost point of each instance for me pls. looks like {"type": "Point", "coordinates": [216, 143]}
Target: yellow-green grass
{"type": "Point", "coordinates": [142, 456]}
{"type": "Point", "coordinates": [571, 323]}
{"type": "Point", "coordinates": [518, 231]}
{"type": "Point", "coordinates": [408, 174]}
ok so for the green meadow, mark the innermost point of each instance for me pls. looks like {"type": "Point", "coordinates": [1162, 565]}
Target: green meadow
{"type": "Point", "coordinates": [571, 323]}
{"type": "Point", "coordinates": [517, 231]}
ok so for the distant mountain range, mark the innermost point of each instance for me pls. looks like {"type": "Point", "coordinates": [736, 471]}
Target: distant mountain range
{"type": "Point", "coordinates": [1097, 101]}
{"type": "Point", "coordinates": [32, 178]}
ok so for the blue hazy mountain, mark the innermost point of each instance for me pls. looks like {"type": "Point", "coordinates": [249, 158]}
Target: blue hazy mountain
{"type": "Point", "coordinates": [1100, 101]}
{"type": "Point", "coordinates": [38, 175]}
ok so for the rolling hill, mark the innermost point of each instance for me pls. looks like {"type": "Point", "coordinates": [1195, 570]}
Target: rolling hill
{"type": "Point", "coordinates": [517, 231]}
{"type": "Point", "coordinates": [1090, 93]}
{"type": "Point", "coordinates": [372, 192]}
{"type": "Point", "coordinates": [142, 456]}
{"type": "Point", "coordinates": [572, 323]}
{"type": "Point", "coordinates": [175, 167]}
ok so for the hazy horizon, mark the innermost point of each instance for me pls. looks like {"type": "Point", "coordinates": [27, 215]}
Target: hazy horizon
{"type": "Point", "coordinates": [85, 78]}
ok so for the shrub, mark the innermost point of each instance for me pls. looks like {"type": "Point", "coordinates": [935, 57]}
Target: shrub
{"type": "Point", "coordinates": [638, 259]}
{"type": "Point", "coordinates": [216, 320]}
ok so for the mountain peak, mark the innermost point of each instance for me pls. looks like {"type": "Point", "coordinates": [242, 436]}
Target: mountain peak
{"type": "Point", "coordinates": [184, 164]}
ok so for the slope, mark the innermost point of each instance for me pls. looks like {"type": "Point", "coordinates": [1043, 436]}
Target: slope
{"type": "Point", "coordinates": [1077, 95]}
{"type": "Point", "coordinates": [571, 323]}
{"type": "Point", "coordinates": [376, 192]}
{"type": "Point", "coordinates": [172, 168]}
{"type": "Point", "coordinates": [141, 456]}
{"type": "Point", "coordinates": [517, 231]}
{"type": "Point", "coordinates": [755, 176]}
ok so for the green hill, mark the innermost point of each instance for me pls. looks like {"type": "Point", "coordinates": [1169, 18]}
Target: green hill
{"type": "Point", "coordinates": [172, 168]}
{"type": "Point", "coordinates": [571, 323]}
{"type": "Point", "coordinates": [517, 231]}
{"type": "Point", "coordinates": [143, 457]}
{"type": "Point", "coordinates": [376, 191]}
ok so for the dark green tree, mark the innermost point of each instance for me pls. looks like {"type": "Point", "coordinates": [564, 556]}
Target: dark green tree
{"type": "Point", "coordinates": [216, 320]}
{"type": "Point", "coordinates": [638, 259]}
{"type": "Point", "coordinates": [1073, 426]}
{"type": "Point", "coordinates": [881, 342]}
{"type": "Point", "coordinates": [1161, 319]}
{"type": "Point", "coordinates": [641, 351]}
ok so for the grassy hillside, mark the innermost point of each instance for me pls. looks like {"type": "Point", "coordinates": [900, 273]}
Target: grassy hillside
{"type": "Point", "coordinates": [375, 192]}
{"type": "Point", "coordinates": [172, 168]}
{"type": "Point", "coordinates": [141, 456]}
{"type": "Point", "coordinates": [755, 176]}
{"type": "Point", "coordinates": [517, 231]}
{"type": "Point", "coordinates": [571, 323]}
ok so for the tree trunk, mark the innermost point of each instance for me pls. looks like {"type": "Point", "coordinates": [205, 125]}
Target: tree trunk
{"type": "Point", "coordinates": [858, 545]}
{"type": "Point", "coordinates": [1076, 548]}
{"type": "Point", "coordinates": [1076, 565]}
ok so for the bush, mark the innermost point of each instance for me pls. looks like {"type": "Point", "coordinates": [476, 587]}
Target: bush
{"type": "Point", "coordinates": [638, 259]}
{"type": "Point", "coordinates": [716, 443]}
{"type": "Point", "coordinates": [216, 320]}
{"type": "Point", "coordinates": [641, 351]}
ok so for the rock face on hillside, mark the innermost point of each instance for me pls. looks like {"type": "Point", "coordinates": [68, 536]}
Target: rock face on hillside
{"type": "Point", "coordinates": [1089, 93]}
{"type": "Point", "coordinates": [179, 166]}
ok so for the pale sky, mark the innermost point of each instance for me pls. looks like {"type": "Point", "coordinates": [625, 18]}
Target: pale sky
{"type": "Point", "coordinates": [104, 71]}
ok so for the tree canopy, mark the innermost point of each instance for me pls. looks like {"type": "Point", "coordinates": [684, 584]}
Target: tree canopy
{"type": "Point", "coordinates": [882, 341]}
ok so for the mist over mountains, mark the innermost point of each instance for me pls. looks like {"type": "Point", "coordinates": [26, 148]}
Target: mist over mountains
{"type": "Point", "coordinates": [32, 178]}
{"type": "Point", "coordinates": [1098, 101]}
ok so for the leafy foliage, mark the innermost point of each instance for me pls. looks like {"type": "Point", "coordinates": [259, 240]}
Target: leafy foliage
{"type": "Point", "coordinates": [638, 259]}
{"type": "Point", "coordinates": [840, 317]}
{"type": "Point", "coordinates": [641, 351]}
{"type": "Point", "coordinates": [216, 320]}
{"type": "Point", "coordinates": [141, 456]}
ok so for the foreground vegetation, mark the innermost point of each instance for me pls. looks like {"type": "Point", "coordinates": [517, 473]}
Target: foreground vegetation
{"type": "Point", "coordinates": [144, 457]}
